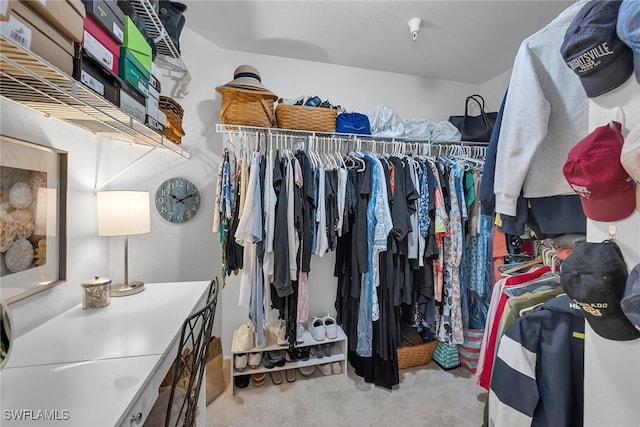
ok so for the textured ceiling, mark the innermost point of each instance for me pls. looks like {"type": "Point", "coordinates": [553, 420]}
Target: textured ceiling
{"type": "Point", "coordinates": [466, 41]}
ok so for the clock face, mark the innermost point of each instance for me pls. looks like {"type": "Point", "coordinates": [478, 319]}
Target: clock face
{"type": "Point", "coordinates": [177, 200]}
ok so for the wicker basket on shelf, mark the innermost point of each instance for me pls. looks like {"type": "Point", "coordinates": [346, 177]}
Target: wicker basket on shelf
{"type": "Point", "coordinates": [300, 117]}
{"type": "Point", "coordinates": [174, 112]}
{"type": "Point", "coordinates": [247, 109]}
{"type": "Point", "coordinates": [416, 355]}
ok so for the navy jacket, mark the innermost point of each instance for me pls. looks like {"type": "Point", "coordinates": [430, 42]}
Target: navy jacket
{"type": "Point", "coordinates": [538, 376]}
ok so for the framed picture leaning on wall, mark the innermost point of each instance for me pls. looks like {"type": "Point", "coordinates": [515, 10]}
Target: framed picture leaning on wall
{"type": "Point", "coordinates": [33, 192]}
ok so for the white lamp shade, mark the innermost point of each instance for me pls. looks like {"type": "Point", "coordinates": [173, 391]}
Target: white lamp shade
{"type": "Point", "coordinates": [123, 213]}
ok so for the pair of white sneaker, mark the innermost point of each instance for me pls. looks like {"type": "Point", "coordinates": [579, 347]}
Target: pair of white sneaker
{"type": "Point", "coordinates": [240, 361]}
{"type": "Point", "coordinates": [322, 328]}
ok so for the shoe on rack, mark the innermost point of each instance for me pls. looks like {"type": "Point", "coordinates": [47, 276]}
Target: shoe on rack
{"type": "Point", "coordinates": [280, 332]}
{"type": "Point", "coordinates": [331, 329]}
{"type": "Point", "coordinates": [317, 329]}
{"type": "Point", "coordinates": [245, 337]}
{"type": "Point", "coordinates": [258, 379]}
{"type": "Point", "coordinates": [255, 359]}
{"type": "Point", "coordinates": [266, 361]}
{"type": "Point", "coordinates": [276, 377]}
{"type": "Point", "coordinates": [336, 368]}
{"type": "Point", "coordinates": [318, 351]}
{"type": "Point", "coordinates": [291, 375]}
{"type": "Point", "coordinates": [242, 381]}
{"type": "Point", "coordinates": [327, 349]}
{"type": "Point", "coordinates": [325, 368]}
{"type": "Point", "coordinates": [240, 362]}
{"type": "Point", "coordinates": [299, 333]}
{"type": "Point", "coordinates": [278, 357]}
{"type": "Point", "coordinates": [303, 353]}
{"type": "Point", "coordinates": [307, 371]}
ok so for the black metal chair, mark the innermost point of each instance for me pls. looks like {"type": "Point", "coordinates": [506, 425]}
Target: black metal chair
{"type": "Point", "coordinates": [178, 405]}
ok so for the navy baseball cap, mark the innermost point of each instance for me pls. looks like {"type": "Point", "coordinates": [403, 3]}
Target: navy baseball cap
{"type": "Point", "coordinates": [629, 30]}
{"type": "Point", "coordinates": [631, 301]}
{"type": "Point", "coordinates": [593, 50]}
{"type": "Point", "coordinates": [594, 276]}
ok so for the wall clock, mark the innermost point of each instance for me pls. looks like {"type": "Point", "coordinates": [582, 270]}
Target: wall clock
{"type": "Point", "coordinates": [177, 200]}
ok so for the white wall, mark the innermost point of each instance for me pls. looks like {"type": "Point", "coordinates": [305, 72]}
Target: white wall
{"type": "Point", "coordinates": [191, 251]}
{"type": "Point", "coordinates": [87, 254]}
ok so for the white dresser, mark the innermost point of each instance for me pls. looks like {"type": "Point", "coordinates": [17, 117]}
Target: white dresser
{"type": "Point", "coordinates": [99, 367]}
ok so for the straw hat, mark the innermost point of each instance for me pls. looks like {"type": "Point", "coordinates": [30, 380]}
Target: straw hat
{"type": "Point", "coordinates": [246, 78]}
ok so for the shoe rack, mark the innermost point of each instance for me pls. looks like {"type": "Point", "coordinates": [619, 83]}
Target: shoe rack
{"type": "Point", "coordinates": [339, 351]}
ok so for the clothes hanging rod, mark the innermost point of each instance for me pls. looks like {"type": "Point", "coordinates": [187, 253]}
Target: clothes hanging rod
{"type": "Point", "coordinates": [223, 128]}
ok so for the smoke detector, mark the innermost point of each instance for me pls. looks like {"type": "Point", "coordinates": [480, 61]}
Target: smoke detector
{"type": "Point", "coordinates": [414, 27]}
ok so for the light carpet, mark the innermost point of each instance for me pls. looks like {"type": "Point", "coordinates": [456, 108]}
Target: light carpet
{"type": "Point", "coordinates": [426, 396]}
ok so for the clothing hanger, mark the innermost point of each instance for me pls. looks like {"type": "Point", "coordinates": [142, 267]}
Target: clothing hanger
{"type": "Point", "coordinates": [537, 260]}
{"type": "Point", "coordinates": [528, 310]}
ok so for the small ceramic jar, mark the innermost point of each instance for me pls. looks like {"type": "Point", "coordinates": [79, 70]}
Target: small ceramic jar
{"type": "Point", "coordinates": [96, 292]}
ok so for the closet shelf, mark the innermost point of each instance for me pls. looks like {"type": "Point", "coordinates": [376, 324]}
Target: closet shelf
{"type": "Point", "coordinates": [168, 53]}
{"type": "Point", "coordinates": [29, 80]}
{"type": "Point", "coordinates": [223, 128]}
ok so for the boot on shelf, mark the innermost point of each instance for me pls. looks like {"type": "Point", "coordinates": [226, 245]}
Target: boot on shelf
{"type": "Point", "coordinates": [171, 16]}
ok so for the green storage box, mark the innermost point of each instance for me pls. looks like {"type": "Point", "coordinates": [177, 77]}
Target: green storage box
{"type": "Point", "coordinates": [137, 44]}
{"type": "Point", "coordinates": [131, 71]}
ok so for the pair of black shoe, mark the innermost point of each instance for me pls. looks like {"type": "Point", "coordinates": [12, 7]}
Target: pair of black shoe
{"type": "Point", "coordinates": [298, 353]}
{"type": "Point", "coordinates": [273, 358]}
{"type": "Point", "coordinates": [242, 381]}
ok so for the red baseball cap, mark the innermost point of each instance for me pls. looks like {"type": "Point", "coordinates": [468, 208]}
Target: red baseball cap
{"type": "Point", "coordinates": [594, 171]}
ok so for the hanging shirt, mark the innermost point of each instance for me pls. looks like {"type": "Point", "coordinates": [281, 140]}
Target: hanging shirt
{"type": "Point", "coordinates": [294, 239]}
{"type": "Point", "coordinates": [413, 236]}
{"type": "Point", "coordinates": [545, 113]}
{"type": "Point", "coordinates": [249, 232]}
{"type": "Point", "coordinates": [269, 210]}
{"type": "Point", "coordinates": [342, 190]}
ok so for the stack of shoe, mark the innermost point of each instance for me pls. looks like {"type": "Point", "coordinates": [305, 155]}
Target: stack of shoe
{"type": "Point", "coordinates": [174, 112]}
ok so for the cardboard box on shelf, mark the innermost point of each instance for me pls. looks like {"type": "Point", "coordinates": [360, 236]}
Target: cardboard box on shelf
{"type": "Point", "coordinates": [65, 15]}
{"type": "Point", "coordinates": [95, 77]}
{"type": "Point", "coordinates": [24, 27]}
{"type": "Point", "coordinates": [108, 15]}
{"type": "Point", "coordinates": [100, 46]}
{"type": "Point", "coordinates": [154, 124]}
{"type": "Point", "coordinates": [156, 78]}
{"type": "Point", "coordinates": [135, 42]}
{"type": "Point", "coordinates": [131, 71]}
{"type": "Point", "coordinates": [132, 102]}
{"type": "Point", "coordinates": [152, 103]}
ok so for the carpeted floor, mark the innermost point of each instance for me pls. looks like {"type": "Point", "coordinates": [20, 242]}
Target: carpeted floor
{"type": "Point", "coordinates": [426, 396]}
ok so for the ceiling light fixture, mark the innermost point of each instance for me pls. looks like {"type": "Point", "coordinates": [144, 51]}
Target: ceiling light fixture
{"type": "Point", "coordinates": [414, 27]}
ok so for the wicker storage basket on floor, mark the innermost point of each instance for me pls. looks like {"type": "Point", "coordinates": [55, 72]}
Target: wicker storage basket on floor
{"type": "Point", "coordinates": [247, 109]}
{"type": "Point", "coordinates": [416, 355]}
{"type": "Point", "coordinates": [299, 117]}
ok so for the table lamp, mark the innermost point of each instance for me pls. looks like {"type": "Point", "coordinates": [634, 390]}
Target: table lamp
{"type": "Point", "coordinates": [124, 213]}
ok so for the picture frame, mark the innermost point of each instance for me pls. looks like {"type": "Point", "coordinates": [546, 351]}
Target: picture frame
{"type": "Point", "coordinates": [33, 199]}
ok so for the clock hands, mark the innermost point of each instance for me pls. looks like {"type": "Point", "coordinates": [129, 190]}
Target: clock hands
{"type": "Point", "coordinates": [185, 198]}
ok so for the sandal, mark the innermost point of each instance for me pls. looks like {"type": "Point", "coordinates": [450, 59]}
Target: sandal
{"type": "Point", "coordinates": [276, 377]}
{"type": "Point", "coordinates": [291, 375]}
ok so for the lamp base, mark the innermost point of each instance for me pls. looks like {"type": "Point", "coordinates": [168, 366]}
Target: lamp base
{"type": "Point", "coordinates": [122, 290]}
